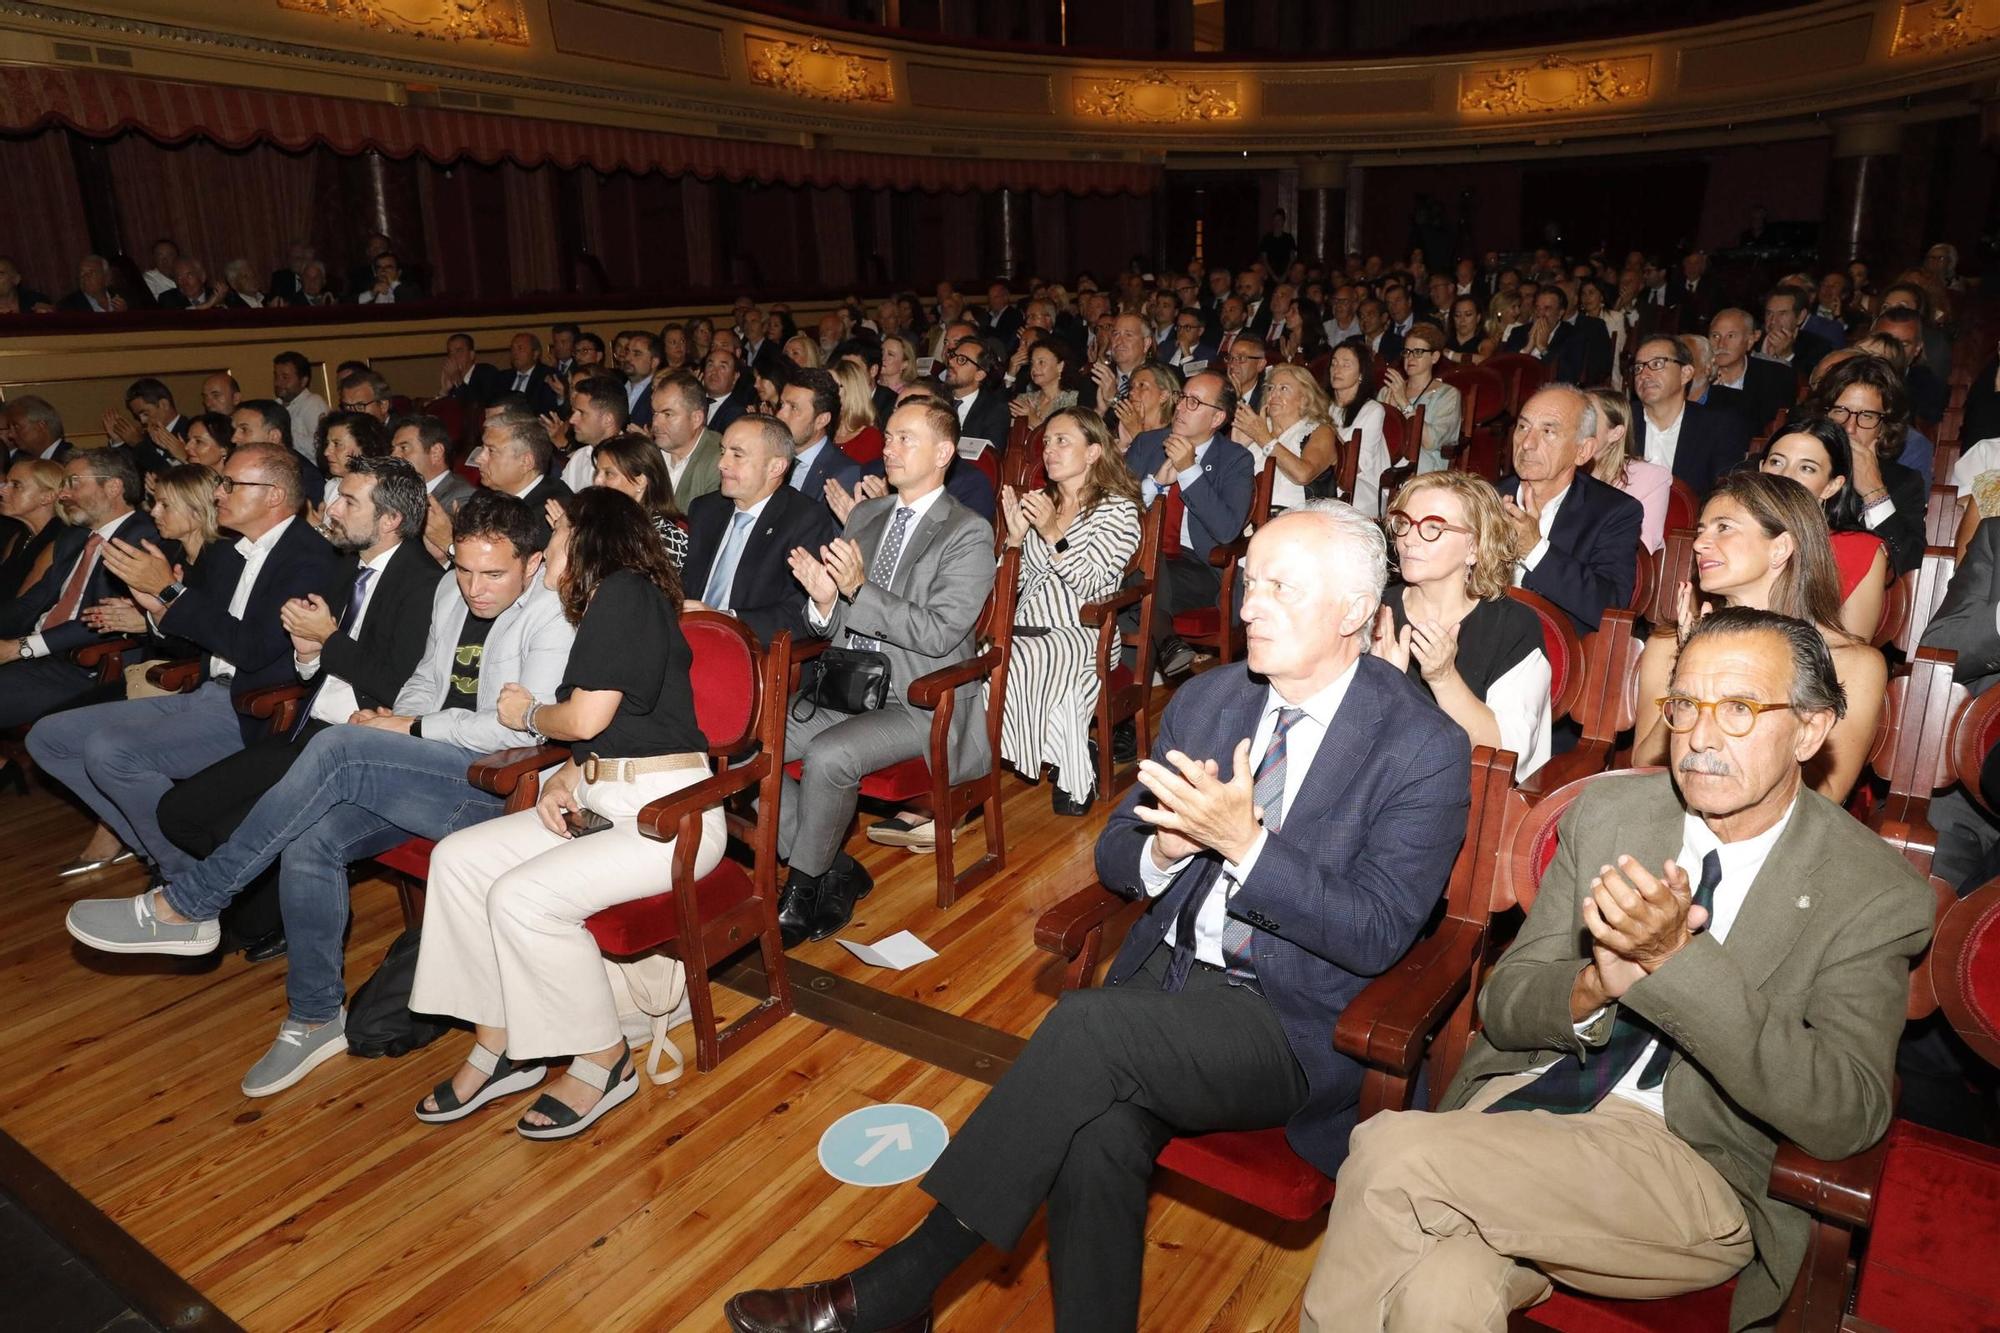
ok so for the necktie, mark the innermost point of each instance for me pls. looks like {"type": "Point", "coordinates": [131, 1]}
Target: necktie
{"type": "Point", "coordinates": [1268, 793]}
{"type": "Point", "coordinates": [521, 382]}
{"type": "Point", "coordinates": [347, 619]}
{"type": "Point", "coordinates": [1570, 1086]}
{"type": "Point", "coordinates": [883, 568]}
{"type": "Point", "coordinates": [723, 577]}
{"type": "Point", "coordinates": [71, 600]}
{"type": "Point", "coordinates": [1170, 526]}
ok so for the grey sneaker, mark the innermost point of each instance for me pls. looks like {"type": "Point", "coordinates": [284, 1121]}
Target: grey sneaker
{"type": "Point", "coordinates": [128, 925]}
{"type": "Point", "coordinates": [298, 1051]}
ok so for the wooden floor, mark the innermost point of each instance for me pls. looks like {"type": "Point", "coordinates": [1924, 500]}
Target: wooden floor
{"type": "Point", "coordinates": [330, 1206]}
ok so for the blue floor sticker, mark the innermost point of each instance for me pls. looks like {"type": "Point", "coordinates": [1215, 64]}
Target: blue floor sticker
{"type": "Point", "coordinates": [882, 1145]}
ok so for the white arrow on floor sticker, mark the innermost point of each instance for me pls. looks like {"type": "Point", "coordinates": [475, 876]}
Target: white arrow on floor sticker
{"type": "Point", "coordinates": [886, 1136]}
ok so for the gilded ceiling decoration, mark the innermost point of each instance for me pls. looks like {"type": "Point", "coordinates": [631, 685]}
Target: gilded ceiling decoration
{"type": "Point", "coordinates": [1158, 98]}
{"type": "Point", "coordinates": [1933, 27]}
{"type": "Point", "coordinates": [1555, 83]}
{"type": "Point", "coordinates": [449, 20]}
{"type": "Point", "coordinates": [815, 69]}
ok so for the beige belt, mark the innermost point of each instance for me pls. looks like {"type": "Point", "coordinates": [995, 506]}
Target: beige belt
{"type": "Point", "coordinates": [631, 770]}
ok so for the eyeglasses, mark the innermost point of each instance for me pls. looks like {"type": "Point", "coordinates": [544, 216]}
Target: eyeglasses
{"type": "Point", "coordinates": [1430, 527]}
{"type": "Point", "coordinates": [1243, 358]}
{"type": "Point", "coordinates": [230, 485]}
{"type": "Point", "coordinates": [70, 483]}
{"type": "Point", "coordinates": [959, 359]}
{"type": "Point", "coordinates": [1409, 352]}
{"type": "Point", "coordinates": [1735, 716]}
{"type": "Point", "coordinates": [1186, 397]}
{"type": "Point", "coordinates": [1656, 364]}
{"type": "Point", "coordinates": [1866, 418]}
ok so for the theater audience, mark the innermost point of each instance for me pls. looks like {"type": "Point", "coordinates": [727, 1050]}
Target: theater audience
{"type": "Point", "coordinates": [1416, 385]}
{"type": "Point", "coordinates": [1292, 434]}
{"type": "Point", "coordinates": [425, 445]}
{"type": "Point", "coordinates": [1155, 393]}
{"type": "Point", "coordinates": [364, 390]}
{"type": "Point", "coordinates": [1789, 338]}
{"type": "Point", "coordinates": [1578, 538]}
{"type": "Point", "coordinates": [291, 385]}
{"type": "Point", "coordinates": [807, 408]}
{"type": "Point", "coordinates": [633, 466]}
{"type": "Point", "coordinates": [94, 293]}
{"type": "Point", "coordinates": [1695, 443]}
{"type": "Point", "coordinates": [1467, 341]}
{"type": "Point", "coordinates": [1814, 453]}
{"type": "Point", "coordinates": [1614, 465]}
{"type": "Point", "coordinates": [1758, 390]}
{"type": "Point", "coordinates": [1865, 397]}
{"type": "Point", "coordinates": [37, 429]}
{"type": "Point", "coordinates": [1075, 535]}
{"type": "Point", "coordinates": [362, 787]}
{"type": "Point", "coordinates": [854, 430]}
{"type": "Point", "coordinates": [728, 388]}
{"type": "Point", "coordinates": [504, 944]}
{"type": "Point", "coordinates": [975, 376]}
{"type": "Point", "coordinates": [1576, 347]}
{"type": "Point", "coordinates": [208, 440]}
{"type": "Point", "coordinates": [1447, 622]}
{"type": "Point", "coordinates": [1353, 407]}
{"type": "Point", "coordinates": [1206, 481]}
{"type": "Point", "coordinates": [513, 458]}
{"type": "Point", "coordinates": [1763, 543]}
{"type": "Point", "coordinates": [1257, 934]}
{"type": "Point", "coordinates": [908, 578]}
{"type": "Point", "coordinates": [1670, 1069]}
{"type": "Point", "coordinates": [183, 510]}
{"type": "Point", "coordinates": [388, 286]}
{"type": "Point", "coordinates": [1047, 390]}
{"type": "Point", "coordinates": [741, 536]}
{"type": "Point", "coordinates": [691, 449]}
{"type": "Point", "coordinates": [1244, 362]}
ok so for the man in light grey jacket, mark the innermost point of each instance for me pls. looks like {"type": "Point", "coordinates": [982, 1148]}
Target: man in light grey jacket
{"type": "Point", "coordinates": [364, 787]}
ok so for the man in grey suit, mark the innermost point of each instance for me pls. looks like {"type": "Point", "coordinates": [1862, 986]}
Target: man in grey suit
{"type": "Point", "coordinates": [907, 578]}
{"type": "Point", "coordinates": [1718, 958]}
{"type": "Point", "coordinates": [1968, 623]}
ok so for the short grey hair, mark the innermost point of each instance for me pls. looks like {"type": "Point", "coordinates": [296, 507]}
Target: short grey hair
{"type": "Point", "coordinates": [777, 441]}
{"type": "Point", "coordinates": [1365, 556]}
{"type": "Point", "coordinates": [34, 407]}
{"type": "Point", "coordinates": [1586, 421]}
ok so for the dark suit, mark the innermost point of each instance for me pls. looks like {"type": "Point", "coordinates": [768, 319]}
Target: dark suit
{"type": "Point", "coordinates": [1903, 531]}
{"type": "Point", "coordinates": [1334, 898]}
{"type": "Point", "coordinates": [829, 464]}
{"type": "Point", "coordinates": [76, 302]}
{"type": "Point", "coordinates": [1593, 555]}
{"type": "Point", "coordinates": [735, 405]}
{"type": "Point", "coordinates": [1218, 508]}
{"type": "Point", "coordinates": [641, 408]}
{"type": "Point", "coordinates": [1768, 388]}
{"type": "Point", "coordinates": [486, 385]}
{"type": "Point", "coordinates": [35, 687]}
{"type": "Point", "coordinates": [1579, 350]}
{"type": "Point", "coordinates": [287, 286]}
{"type": "Point", "coordinates": [987, 418]}
{"type": "Point", "coordinates": [962, 480]}
{"type": "Point", "coordinates": [1964, 624]}
{"type": "Point", "coordinates": [763, 594]}
{"type": "Point", "coordinates": [1203, 351]}
{"type": "Point", "coordinates": [1697, 307]}
{"type": "Point", "coordinates": [1712, 442]}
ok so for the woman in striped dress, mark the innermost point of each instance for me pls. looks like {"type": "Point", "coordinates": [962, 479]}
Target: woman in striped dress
{"type": "Point", "coordinates": [1074, 535]}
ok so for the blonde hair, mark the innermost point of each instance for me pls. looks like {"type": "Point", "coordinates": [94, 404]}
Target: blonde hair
{"type": "Point", "coordinates": [808, 354]}
{"type": "Point", "coordinates": [1503, 309]}
{"type": "Point", "coordinates": [43, 472]}
{"type": "Point", "coordinates": [909, 356]}
{"type": "Point", "coordinates": [190, 487]}
{"type": "Point", "coordinates": [857, 400]}
{"type": "Point", "coordinates": [1494, 546]}
{"type": "Point", "coordinates": [1314, 405]}
{"type": "Point", "coordinates": [1613, 409]}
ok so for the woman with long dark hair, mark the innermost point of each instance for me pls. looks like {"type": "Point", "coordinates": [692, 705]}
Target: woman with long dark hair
{"type": "Point", "coordinates": [504, 943]}
{"type": "Point", "coordinates": [1813, 451]}
{"type": "Point", "coordinates": [634, 465]}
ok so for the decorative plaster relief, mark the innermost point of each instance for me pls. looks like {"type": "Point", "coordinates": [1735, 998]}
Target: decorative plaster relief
{"type": "Point", "coordinates": [1555, 83]}
{"type": "Point", "coordinates": [1158, 98]}
{"type": "Point", "coordinates": [449, 20]}
{"type": "Point", "coordinates": [1933, 27]}
{"type": "Point", "coordinates": [815, 69]}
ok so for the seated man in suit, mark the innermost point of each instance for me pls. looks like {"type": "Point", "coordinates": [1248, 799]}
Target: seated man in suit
{"type": "Point", "coordinates": [94, 292]}
{"type": "Point", "coordinates": [363, 786]}
{"type": "Point", "coordinates": [513, 458]}
{"type": "Point", "coordinates": [424, 443]}
{"type": "Point", "coordinates": [1696, 443]}
{"type": "Point", "coordinates": [1676, 1003]}
{"type": "Point", "coordinates": [1786, 340]}
{"type": "Point", "coordinates": [643, 355]}
{"type": "Point", "coordinates": [1967, 623]}
{"type": "Point", "coordinates": [120, 758]}
{"type": "Point", "coordinates": [964, 480]}
{"type": "Point", "coordinates": [37, 429]}
{"type": "Point", "coordinates": [597, 412]}
{"type": "Point", "coordinates": [1579, 537]}
{"type": "Point", "coordinates": [265, 421]}
{"type": "Point", "coordinates": [1184, 348]}
{"type": "Point", "coordinates": [975, 372]}
{"type": "Point", "coordinates": [1753, 387]}
{"type": "Point", "coordinates": [740, 538]}
{"type": "Point", "coordinates": [808, 407]}
{"type": "Point", "coordinates": [728, 389]}
{"type": "Point", "coordinates": [908, 578]}
{"type": "Point", "coordinates": [691, 451]}
{"type": "Point", "coordinates": [1208, 481]}
{"type": "Point", "coordinates": [1131, 347]}
{"type": "Point", "coordinates": [40, 628]}
{"type": "Point", "coordinates": [1577, 350]}
{"type": "Point", "coordinates": [388, 286]}
{"type": "Point", "coordinates": [350, 662]}
{"type": "Point", "coordinates": [525, 375]}
{"type": "Point", "coordinates": [1276, 892]}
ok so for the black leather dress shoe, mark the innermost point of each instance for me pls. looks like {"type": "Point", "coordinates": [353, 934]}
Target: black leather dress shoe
{"type": "Point", "coordinates": [819, 1307]}
{"type": "Point", "coordinates": [795, 908]}
{"type": "Point", "coordinates": [840, 888]}
{"type": "Point", "coordinates": [1125, 743]}
{"type": "Point", "coordinates": [1063, 805]}
{"type": "Point", "coordinates": [264, 948]}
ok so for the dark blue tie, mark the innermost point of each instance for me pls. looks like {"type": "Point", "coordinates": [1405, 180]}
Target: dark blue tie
{"type": "Point", "coordinates": [347, 619]}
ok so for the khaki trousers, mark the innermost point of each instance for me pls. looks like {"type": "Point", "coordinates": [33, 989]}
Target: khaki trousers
{"type": "Point", "coordinates": [1449, 1221]}
{"type": "Point", "coordinates": [504, 943]}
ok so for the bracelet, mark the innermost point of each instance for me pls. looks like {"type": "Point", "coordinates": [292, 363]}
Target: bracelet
{"type": "Point", "coordinates": [528, 722]}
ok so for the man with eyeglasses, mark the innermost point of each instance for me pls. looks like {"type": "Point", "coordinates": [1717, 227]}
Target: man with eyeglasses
{"type": "Point", "coordinates": [1341, 323]}
{"type": "Point", "coordinates": [39, 629]}
{"type": "Point", "coordinates": [1184, 348]}
{"type": "Point", "coordinates": [1696, 443]}
{"type": "Point", "coordinates": [1787, 340]}
{"type": "Point", "coordinates": [1245, 362]}
{"type": "Point", "coordinates": [1579, 537]}
{"type": "Point", "coordinates": [1131, 346]}
{"type": "Point", "coordinates": [1718, 958]}
{"type": "Point", "coordinates": [120, 758]}
{"type": "Point", "coordinates": [1205, 480]}
{"type": "Point", "coordinates": [975, 371]}
{"type": "Point", "coordinates": [1576, 350]}
{"type": "Point", "coordinates": [1758, 390]}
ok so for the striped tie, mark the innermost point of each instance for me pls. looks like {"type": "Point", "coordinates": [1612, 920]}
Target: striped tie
{"type": "Point", "coordinates": [882, 570]}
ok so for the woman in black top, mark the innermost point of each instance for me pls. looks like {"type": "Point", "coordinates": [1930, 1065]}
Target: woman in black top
{"type": "Point", "coordinates": [504, 944]}
{"type": "Point", "coordinates": [28, 502]}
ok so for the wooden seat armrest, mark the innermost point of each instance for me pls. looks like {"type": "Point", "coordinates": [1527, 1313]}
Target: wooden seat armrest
{"type": "Point", "coordinates": [266, 702]}
{"type": "Point", "coordinates": [1587, 758]}
{"type": "Point", "coordinates": [502, 771]}
{"type": "Point", "coordinates": [1062, 929]}
{"type": "Point", "coordinates": [176, 677]}
{"type": "Point", "coordinates": [1096, 613]}
{"type": "Point", "coordinates": [1842, 1191]}
{"type": "Point", "coordinates": [662, 820]}
{"type": "Point", "coordinates": [925, 691]}
{"type": "Point", "coordinates": [93, 655]}
{"type": "Point", "coordinates": [1225, 552]}
{"type": "Point", "coordinates": [803, 651]}
{"type": "Point", "coordinates": [1387, 1024]}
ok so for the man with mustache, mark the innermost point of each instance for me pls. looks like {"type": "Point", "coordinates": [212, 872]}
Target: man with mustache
{"type": "Point", "coordinates": [1718, 958]}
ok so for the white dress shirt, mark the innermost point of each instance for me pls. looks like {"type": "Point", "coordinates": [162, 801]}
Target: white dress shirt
{"type": "Point", "coordinates": [1741, 863]}
{"type": "Point", "coordinates": [677, 468]}
{"type": "Point", "coordinates": [37, 645]}
{"type": "Point", "coordinates": [158, 283]}
{"type": "Point", "coordinates": [1546, 521]}
{"type": "Point", "coordinates": [1663, 441]}
{"type": "Point", "coordinates": [254, 554]}
{"type": "Point", "coordinates": [581, 469]}
{"type": "Point", "coordinates": [918, 508]}
{"type": "Point", "coordinates": [336, 702]}
{"type": "Point", "coordinates": [306, 408]}
{"type": "Point", "coordinates": [1302, 743]}
{"type": "Point", "coordinates": [802, 465]}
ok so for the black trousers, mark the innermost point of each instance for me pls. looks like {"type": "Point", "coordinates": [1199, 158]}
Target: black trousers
{"type": "Point", "coordinates": [31, 690]}
{"type": "Point", "coordinates": [1107, 1079]}
{"type": "Point", "coordinates": [199, 814]}
{"type": "Point", "coordinates": [1185, 584]}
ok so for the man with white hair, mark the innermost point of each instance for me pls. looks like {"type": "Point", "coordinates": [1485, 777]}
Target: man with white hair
{"type": "Point", "coordinates": [1301, 814]}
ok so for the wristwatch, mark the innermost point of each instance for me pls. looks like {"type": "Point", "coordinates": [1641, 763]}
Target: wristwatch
{"type": "Point", "coordinates": [25, 649]}
{"type": "Point", "coordinates": [171, 593]}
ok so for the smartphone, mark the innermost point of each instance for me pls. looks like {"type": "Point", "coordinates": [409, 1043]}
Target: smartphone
{"type": "Point", "coordinates": [583, 823]}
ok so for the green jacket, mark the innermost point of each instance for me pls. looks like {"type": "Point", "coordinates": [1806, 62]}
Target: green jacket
{"type": "Point", "coordinates": [704, 470]}
{"type": "Point", "coordinates": [1788, 1031]}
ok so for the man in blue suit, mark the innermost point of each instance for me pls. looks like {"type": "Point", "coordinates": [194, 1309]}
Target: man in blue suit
{"type": "Point", "coordinates": [1579, 538]}
{"type": "Point", "coordinates": [1293, 830]}
{"type": "Point", "coordinates": [1206, 481]}
{"type": "Point", "coordinates": [808, 407]}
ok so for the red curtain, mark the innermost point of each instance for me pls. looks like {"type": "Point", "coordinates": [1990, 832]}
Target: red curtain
{"type": "Point", "coordinates": [41, 221]}
{"type": "Point", "coordinates": [219, 204]}
{"type": "Point", "coordinates": [532, 244]}
{"type": "Point", "coordinates": [103, 104]}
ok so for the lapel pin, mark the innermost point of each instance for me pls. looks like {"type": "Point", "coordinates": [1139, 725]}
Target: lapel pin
{"type": "Point", "coordinates": [1804, 901]}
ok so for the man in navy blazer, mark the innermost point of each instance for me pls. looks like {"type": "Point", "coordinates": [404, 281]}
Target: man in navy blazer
{"type": "Point", "coordinates": [1194, 468]}
{"type": "Point", "coordinates": [40, 628]}
{"type": "Point", "coordinates": [121, 758]}
{"type": "Point", "coordinates": [808, 407]}
{"type": "Point", "coordinates": [1696, 443]}
{"type": "Point", "coordinates": [1576, 348]}
{"type": "Point", "coordinates": [1293, 831]}
{"type": "Point", "coordinates": [756, 583]}
{"type": "Point", "coordinates": [1579, 538]}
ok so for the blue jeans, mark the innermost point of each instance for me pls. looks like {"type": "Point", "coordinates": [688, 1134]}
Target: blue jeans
{"type": "Point", "coordinates": [120, 758]}
{"type": "Point", "coordinates": [355, 791]}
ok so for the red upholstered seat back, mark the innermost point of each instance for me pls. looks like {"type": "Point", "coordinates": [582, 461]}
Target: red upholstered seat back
{"type": "Point", "coordinates": [724, 676]}
{"type": "Point", "coordinates": [1930, 1251]}
{"type": "Point", "coordinates": [1533, 843]}
{"type": "Point", "coordinates": [1563, 647]}
{"type": "Point", "coordinates": [1683, 506]}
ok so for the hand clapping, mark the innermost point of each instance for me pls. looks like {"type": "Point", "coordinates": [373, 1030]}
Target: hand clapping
{"type": "Point", "coordinates": [1637, 921]}
{"type": "Point", "coordinates": [1196, 808]}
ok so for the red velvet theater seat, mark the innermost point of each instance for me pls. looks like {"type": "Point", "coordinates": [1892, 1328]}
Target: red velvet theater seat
{"type": "Point", "coordinates": [1933, 1259]}
{"type": "Point", "coordinates": [1257, 1166]}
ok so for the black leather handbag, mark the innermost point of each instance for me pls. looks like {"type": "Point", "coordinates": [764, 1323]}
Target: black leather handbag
{"type": "Point", "coordinates": [847, 680]}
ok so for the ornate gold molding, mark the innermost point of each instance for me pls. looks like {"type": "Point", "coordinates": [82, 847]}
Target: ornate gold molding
{"type": "Point", "coordinates": [1157, 98]}
{"type": "Point", "coordinates": [815, 69]}
{"type": "Point", "coordinates": [448, 20]}
{"type": "Point", "coordinates": [1933, 27]}
{"type": "Point", "coordinates": [1555, 83]}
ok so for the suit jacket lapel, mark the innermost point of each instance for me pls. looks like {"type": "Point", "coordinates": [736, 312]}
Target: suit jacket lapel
{"type": "Point", "coordinates": [1236, 721]}
{"type": "Point", "coordinates": [1773, 914]}
{"type": "Point", "coordinates": [1343, 751]}
{"type": "Point", "coordinates": [916, 543]}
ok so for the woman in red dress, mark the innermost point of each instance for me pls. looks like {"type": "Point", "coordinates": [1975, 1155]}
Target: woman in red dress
{"type": "Point", "coordinates": [1814, 452]}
